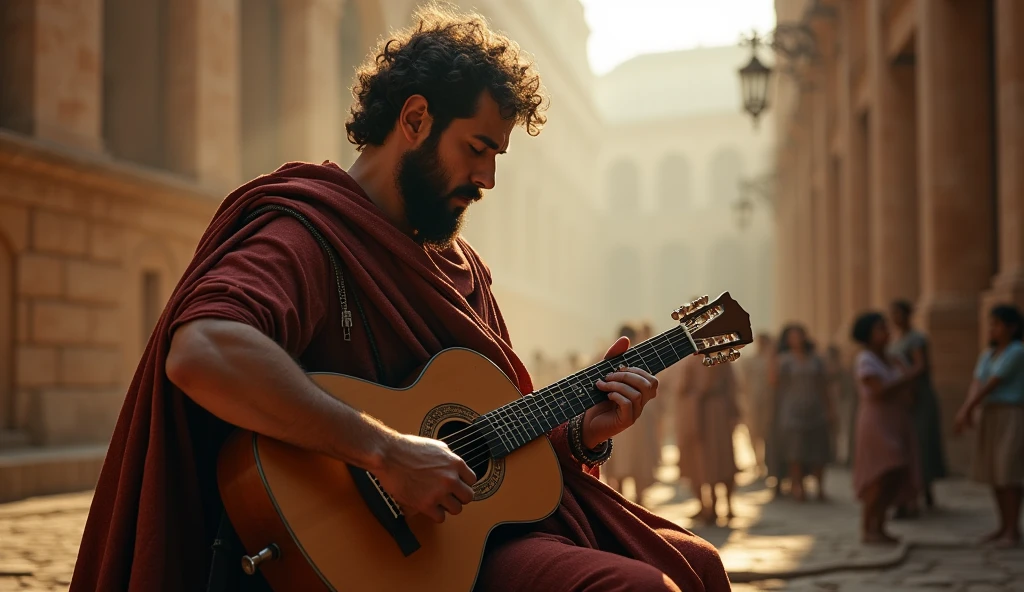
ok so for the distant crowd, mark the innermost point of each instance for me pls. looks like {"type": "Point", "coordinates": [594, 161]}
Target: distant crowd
{"type": "Point", "coordinates": [803, 409]}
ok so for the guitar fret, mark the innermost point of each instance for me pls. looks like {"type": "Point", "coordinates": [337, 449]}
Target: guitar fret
{"type": "Point", "coordinates": [492, 436]}
{"type": "Point", "coordinates": [531, 430]}
{"type": "Point", "coordinates": [510, 426]}
{"type": "Point", "coordinates": [527, 418]}
{"type": "Point", "coordinates": [660, 360]}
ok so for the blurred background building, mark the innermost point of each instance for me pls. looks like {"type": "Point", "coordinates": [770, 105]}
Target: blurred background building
{"type": "Point", "coordinates": [900, 151]}
{"type": "Point", "coordinates": [677, 148]}
{"type": "Point", "coordinates": [123, 123]}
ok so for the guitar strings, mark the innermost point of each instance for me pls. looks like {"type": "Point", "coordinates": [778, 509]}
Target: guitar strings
{"type": "Point", "coordinates": [652, 343]}
{"type": "Point", "coordinates": [474, 434]}
{"type": "Point", "coordinates": [664, 338]}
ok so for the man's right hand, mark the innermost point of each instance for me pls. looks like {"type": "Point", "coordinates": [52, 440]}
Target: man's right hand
{"type": "Point", "coordinates": [425, 477]}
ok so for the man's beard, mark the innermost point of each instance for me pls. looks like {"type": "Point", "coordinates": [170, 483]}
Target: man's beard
{"type": "Point", "coordinates": [423, 183]}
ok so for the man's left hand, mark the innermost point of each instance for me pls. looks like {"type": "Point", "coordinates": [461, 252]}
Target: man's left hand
{"type": "Point", "coordinates": [629, 389]}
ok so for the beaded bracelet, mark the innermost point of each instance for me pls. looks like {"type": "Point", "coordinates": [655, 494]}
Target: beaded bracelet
{"type": "Point", "coordinates": [593, 458]}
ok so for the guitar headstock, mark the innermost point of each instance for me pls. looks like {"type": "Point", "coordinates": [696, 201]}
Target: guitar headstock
{"type": "Point", "coordinates": [718, 328]}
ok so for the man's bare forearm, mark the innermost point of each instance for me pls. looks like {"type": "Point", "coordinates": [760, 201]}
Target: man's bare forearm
{"type": "Point", "coordinates": [243, 377]}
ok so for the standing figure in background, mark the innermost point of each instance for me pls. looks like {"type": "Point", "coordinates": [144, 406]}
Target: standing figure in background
{"type": "Point", "coordinates": [885, 467]}
{"type": "Point", "coordinates": [907, 342]}
{"type": "Point", "coordinates": [706, 417]}
{"type": "Point", "coordinates": [998, 388]}
{"type": "Point", "coordinates": [800, 378]}
{"type": "Point", "coordinates": [637, 455]}
{"type": "Point", "coordinates": [757, 400]}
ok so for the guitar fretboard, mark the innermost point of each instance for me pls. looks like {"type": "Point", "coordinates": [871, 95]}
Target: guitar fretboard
{"type": "Point", "coordinates": [526, 419]}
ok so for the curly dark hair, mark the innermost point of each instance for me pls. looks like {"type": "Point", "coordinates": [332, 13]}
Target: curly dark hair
{"type": "Point", "coordinates": [1010, 316]}
{"type": "Point", "coordinates": [784, 338]}
{"type": "Point", "coordinates": [864, 325]}
{"type": "Point", "coordinates": [449, 59]}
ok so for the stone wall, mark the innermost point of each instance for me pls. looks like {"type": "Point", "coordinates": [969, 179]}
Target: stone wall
{"type": "Point", "coordinates": [80, 235]}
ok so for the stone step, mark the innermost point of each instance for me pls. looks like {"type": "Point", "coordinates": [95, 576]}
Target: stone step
{"type": "Point", "coordinates": [32, 470]}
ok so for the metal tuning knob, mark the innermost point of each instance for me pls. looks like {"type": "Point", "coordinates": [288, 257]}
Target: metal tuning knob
{"type": "Point", "coordinates": [721, 357]}
{"type": "Point", "coordinates": [251, 564]}
{"type": "Point", "coordinates": [687, 309]}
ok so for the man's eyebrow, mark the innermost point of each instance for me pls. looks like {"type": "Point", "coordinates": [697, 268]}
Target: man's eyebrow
{"type": "Point", "coordinates": [489, 142]}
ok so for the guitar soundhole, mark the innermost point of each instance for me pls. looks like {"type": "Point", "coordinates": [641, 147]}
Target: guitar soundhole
{"type": "Point", "coordinates": [444, 422]}
{"type": "Point", "coordinates": [472, 449]}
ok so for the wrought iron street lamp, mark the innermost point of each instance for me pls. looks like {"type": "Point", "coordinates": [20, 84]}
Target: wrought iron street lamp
{"type": "Point", "coordinates": [754, 78]}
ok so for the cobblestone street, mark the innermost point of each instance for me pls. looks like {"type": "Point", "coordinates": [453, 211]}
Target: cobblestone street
{"type": "Point", "coordinates": [770, 545]}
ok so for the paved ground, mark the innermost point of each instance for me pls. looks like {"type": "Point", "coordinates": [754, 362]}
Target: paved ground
{"type": "Point", "coordinates": [39, 540]}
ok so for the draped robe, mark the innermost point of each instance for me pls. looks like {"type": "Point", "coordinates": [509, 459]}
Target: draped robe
{"type": "Point", "coordinates": [156, 507]}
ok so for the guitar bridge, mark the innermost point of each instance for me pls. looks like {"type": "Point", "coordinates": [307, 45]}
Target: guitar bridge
{"type": "Point", "coordinates": [384, 509]}
{"type": "Point", "coordinates": [396, 511]}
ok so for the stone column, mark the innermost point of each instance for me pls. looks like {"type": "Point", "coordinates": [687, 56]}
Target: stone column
{"type": "Point", "coordinates": [853, 167]}
{"type": "Point", "coordinates": [893, 143]}
{"type": "Point", "coordinates": [51, 68]}
{"type": "Point", "coordinates": [806, 198]}
{"type": "Point", "coordinates": [311, 100]}
{"type": "Point", "coordinates": [854, 281]}
{"type": "Point", "coordinates": [826, 188]}
{"type": "Point", "coordinates": [784, 235]}
{"type": "Point", "coordinates": [821, 213]}
{"type": "Point", "coordinates": [827, 224]}
{"type": "Point", "coordinates": [956, 190]}
{"type": "Point", "coordinates": [1008, 285]}
{"type": "Point", "coordinates": [203, 91]}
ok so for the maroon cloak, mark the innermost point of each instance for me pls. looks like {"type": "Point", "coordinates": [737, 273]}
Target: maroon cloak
{"type": "Point", "coordinates": [155, 509]}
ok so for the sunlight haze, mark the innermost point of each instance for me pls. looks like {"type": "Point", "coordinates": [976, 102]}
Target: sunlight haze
{"type": "Point", "coordinates": [622, 30]}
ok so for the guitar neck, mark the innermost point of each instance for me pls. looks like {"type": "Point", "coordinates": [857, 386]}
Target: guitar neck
{"type": "Point", "coordinates": [526, 419]}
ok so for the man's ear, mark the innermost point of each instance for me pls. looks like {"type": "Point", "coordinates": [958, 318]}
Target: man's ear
{"type": "Point", "coordinates": [414, 120]}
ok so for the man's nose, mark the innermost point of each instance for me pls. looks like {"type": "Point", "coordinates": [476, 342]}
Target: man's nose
{"type": "Point", "coordinates": [484, 179]}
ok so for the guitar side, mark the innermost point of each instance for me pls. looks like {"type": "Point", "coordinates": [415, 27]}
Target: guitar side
{"type": "Point", "coordinates": [308, 505]}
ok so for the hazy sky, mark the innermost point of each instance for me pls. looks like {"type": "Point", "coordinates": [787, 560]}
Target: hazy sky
{"type": "Point", "coordinates": [621, 29]}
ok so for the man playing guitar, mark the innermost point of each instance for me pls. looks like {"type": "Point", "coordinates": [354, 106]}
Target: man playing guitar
{"type": "Point", "coordinates": [363, 272]}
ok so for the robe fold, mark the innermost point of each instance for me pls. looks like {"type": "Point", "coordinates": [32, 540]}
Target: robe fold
{"type": "Point", "coordinates": [156, 508]}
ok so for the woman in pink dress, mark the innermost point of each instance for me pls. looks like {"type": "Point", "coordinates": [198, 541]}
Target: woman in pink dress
{"type": "Point", "coordinates": [885, 468]}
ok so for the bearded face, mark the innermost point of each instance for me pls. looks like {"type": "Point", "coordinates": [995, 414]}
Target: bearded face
{"type": "Point", "coordinates": [434, 209]}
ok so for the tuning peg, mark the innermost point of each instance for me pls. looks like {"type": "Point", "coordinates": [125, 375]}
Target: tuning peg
{"type": "Point", "coordinates": [686, 309]}
{"type": "Point", "coordinates": [708, 361]}
{"type": "Point", "coordinates": [733, 355]}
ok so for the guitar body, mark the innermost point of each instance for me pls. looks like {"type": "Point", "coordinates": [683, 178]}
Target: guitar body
{"type": "Point", "coordinates": [308, 504]}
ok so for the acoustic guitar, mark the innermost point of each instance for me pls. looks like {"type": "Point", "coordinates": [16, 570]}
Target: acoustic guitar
{"type": "Point", "coordinates": [313, 523]}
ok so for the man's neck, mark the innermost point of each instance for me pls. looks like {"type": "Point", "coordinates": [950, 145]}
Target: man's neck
{"type": "Point", "coordinates": [375, 174]}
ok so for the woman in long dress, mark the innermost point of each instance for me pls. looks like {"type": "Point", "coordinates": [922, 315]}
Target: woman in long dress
{"type": "Point", "coordinates": [801, 379]}
{"type": "Point", "coordinates": [885, 467]}
{"type": "Point", "coordinates": [706, 417]}
{"type": "Point", "coordinates": [907, 342]}
{"type": "Point", "coordinates": [998, 388]}
{"type": "Point", "coordinates": [758, 401]}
